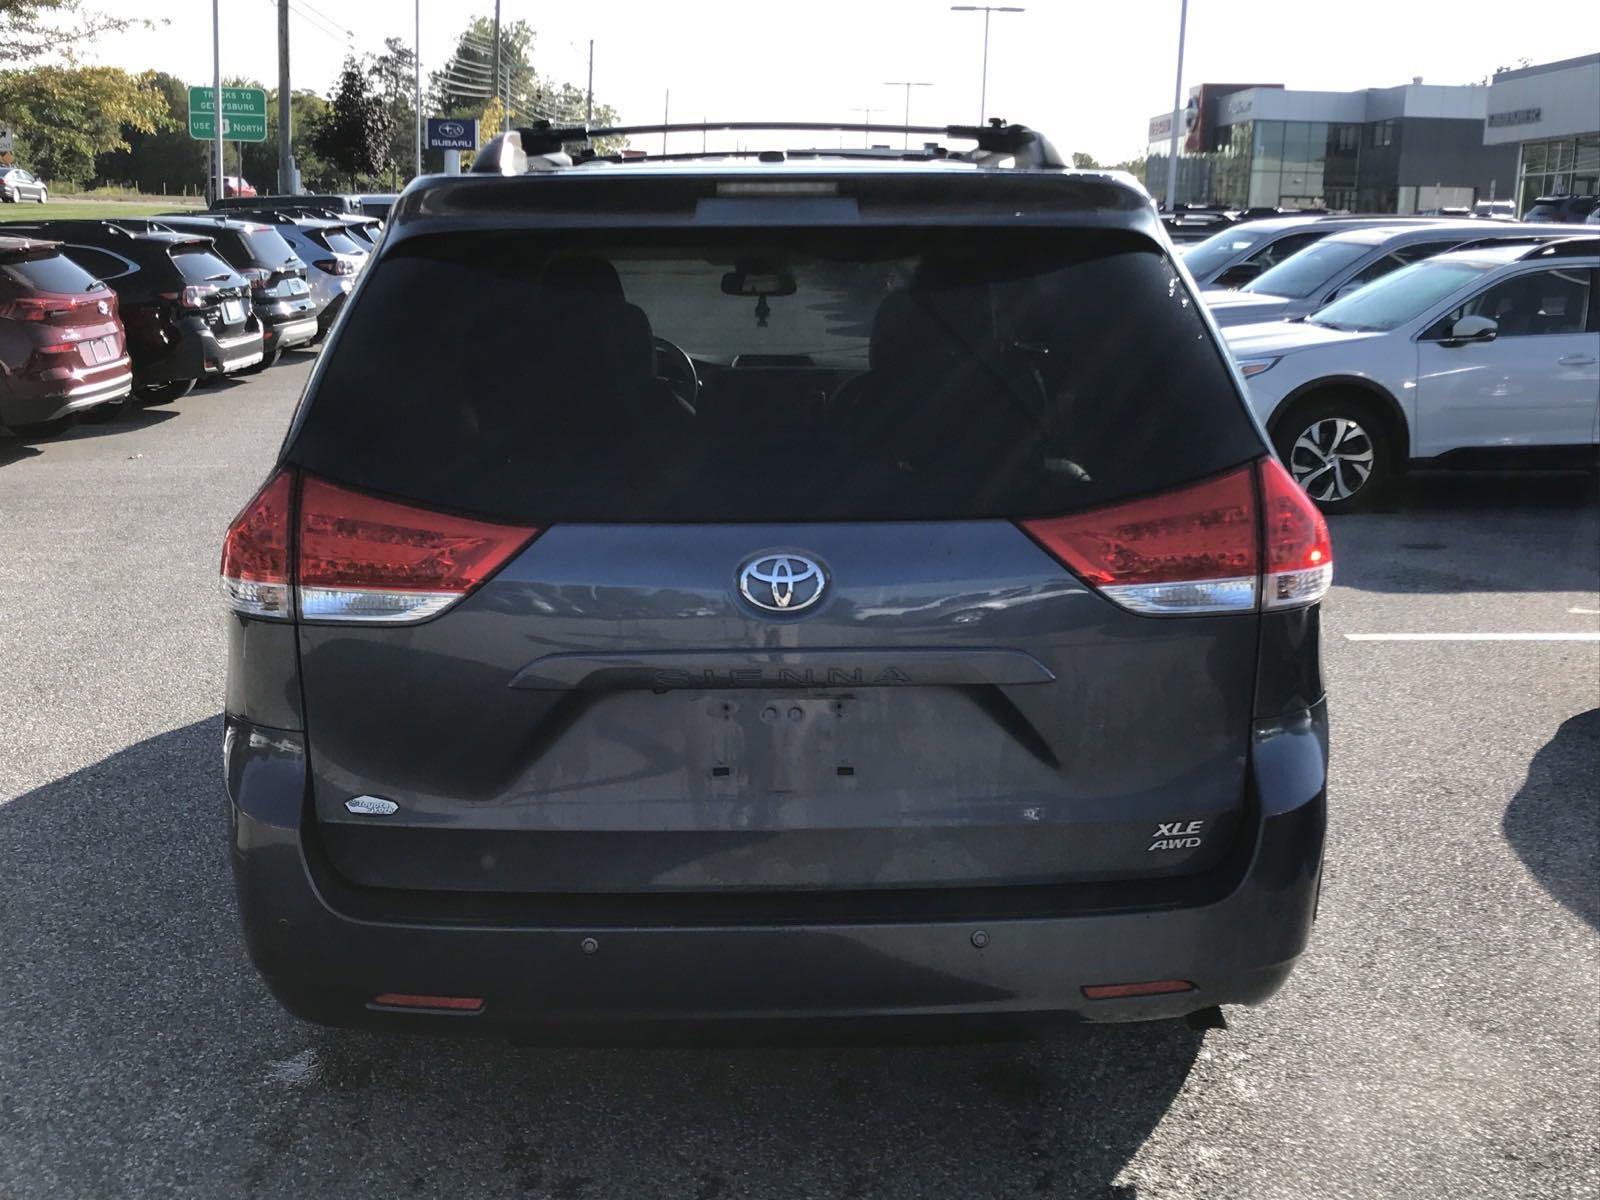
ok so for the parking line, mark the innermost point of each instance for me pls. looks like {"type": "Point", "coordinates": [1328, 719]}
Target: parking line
{"type": "Point", "coordinates": [1585, 612]}
{"type": "Point", "coordinates": [1472, 637]}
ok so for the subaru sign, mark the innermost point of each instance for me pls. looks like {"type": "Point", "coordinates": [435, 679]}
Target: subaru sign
{"type": "Point", "coordinates": [452, 133]}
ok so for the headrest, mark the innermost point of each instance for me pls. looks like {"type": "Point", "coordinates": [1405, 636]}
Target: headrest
{"type": "Point", "coordinates": [583, 273]}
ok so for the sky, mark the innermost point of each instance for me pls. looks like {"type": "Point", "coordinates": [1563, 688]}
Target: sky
{"type": "Point", "coordinates": [1087, 73]}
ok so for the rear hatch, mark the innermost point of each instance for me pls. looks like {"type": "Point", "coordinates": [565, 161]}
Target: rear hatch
{"type": "Point", "coordinates": [69, 316]}
{"type": "Point", "coordinates": [212, 289]}
{"type": "Point", "coordinates": [779, 599]}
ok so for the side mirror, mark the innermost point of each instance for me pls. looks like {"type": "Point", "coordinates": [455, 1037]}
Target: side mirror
{"type": "Point", "coordinates": [1473, 329]}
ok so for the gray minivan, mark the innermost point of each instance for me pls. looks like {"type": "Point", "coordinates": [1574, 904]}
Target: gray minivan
{"type": "Point", "coordinates": [782, 589]}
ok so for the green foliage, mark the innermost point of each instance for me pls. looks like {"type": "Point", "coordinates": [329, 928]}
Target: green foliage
{"type": "Point", "coordinates": [163, 158]}
{"type": "Point", "coordinates": [354, 134]}
{"type": "Point", "coordinates": [64, 116]}
{"type": "Point", "coordinates": [393, 79]}
{"type": "Point", "coordinates": [1084, 162]}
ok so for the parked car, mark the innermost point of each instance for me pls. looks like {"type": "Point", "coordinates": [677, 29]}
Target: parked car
{"type": "Point", "coordinates": [1480, 357]}
{"type": "Point", "coordinates": [1238, 254]}
{"type": "Point", "coordinates": [1495, 210]}
{"type": "Point", "coordinates": [187, 313]}
{"type": "Point", "coordinates": [62, 347]}
{"type": "Point", "coordinates": [1566, 210]}
{"type": "Point", "coordinates": [17, 185]}
{"type": "Point", "coordinates": [761, 617]}
{"type": "Point", "coordinates": [333, 259]}
{"type": "Point", "coordinates": [377, 204]}
{"type": "Point", "coordinates": [1343, 263]}
{"type": "Point", "coordinates": [280, 291]}
{"type": "Point", "coordinates": [235, 185]}
{"type": "Point", "coordinates": [330, 200]}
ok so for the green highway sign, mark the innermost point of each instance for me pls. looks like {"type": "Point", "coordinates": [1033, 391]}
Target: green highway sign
{"type": "Point", "coordinates": [244, 114]}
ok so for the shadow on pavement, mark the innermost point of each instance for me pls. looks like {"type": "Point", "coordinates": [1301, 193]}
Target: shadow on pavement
{"type": "Point", "coordinates": [130, 418]}
{"type": "Point", "coordinates": [13, 449]}
{"type": "Point", "coordinates": [1461, 531]}
{"type": "Point", "coordinates": [1553, 822]}
{"type": "Point", "coordinates": [140, 1055]}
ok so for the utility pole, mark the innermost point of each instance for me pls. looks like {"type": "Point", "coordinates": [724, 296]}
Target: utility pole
{"type": "Point", "coordinates": [908, 85]}
{"type": "Point", "coordinates": [986, 10]}
{"type": "Point", "coordinates": [416, 64]}
{"type": "Point", "coordinates": [285, 115]}
{"type": "Point", "coordinates": [216, 95]}
{"type": "Point", "coordinates": [588, 92]}
{"type": "Point", "coordinates": [506, 124]}
{"type": "Point", "coordinates": [1177, 113]}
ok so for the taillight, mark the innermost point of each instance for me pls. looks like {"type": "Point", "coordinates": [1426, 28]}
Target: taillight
{"type": "Point", "coordinates": [1299, 555]}
{"type": "Point", "coordinates": [1198, 549]}
{"type": "Point", "coordinates": [30, 309]}
{"type": "Point", "coordinates": [255, 553]}
{"type": "Point", "coordinates": [257, 277]}
{"type": "Point", "coordinates": [335, 266]}
{"type": "Point", "coordinates": [365, 559]}
{"type": "Point", "coordinates": [354, 557]}
{"type": "Point", "coordinates": [193, 295]}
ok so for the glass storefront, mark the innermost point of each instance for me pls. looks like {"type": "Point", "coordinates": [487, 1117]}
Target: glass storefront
{"type": "Point", "coordinates": [1271, 164]}
{"type": "Point", "coordinates": [1559, 167]}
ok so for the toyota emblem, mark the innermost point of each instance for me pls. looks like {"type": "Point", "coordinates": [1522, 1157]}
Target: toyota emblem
{"type": "Point", "coordinates": [782, 583]}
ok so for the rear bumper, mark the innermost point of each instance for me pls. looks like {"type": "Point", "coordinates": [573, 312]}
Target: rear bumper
{"type": "Point", "coordinates": [198, 352]}
{"type": "Point", "coordinates": [327, 950]}
{"type": "Point", "coordinates": [30, 400]}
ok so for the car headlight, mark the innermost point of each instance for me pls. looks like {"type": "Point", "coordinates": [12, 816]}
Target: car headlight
{"type": "Point", "coordinates": [1251, 367]}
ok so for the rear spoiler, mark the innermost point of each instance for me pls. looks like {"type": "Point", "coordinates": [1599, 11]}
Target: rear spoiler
{"type": "Point", "coordinates": [21, 248]}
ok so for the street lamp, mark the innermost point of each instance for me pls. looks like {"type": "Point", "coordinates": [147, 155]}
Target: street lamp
{"type": "Point", "coordinates": [1177, 115]}
{"type": "Point", "coordinates": [985, 9]}
{"type": "Point", "coordinates": [908, 85]}
{"type": "Point", "coordinates": [866, 134]}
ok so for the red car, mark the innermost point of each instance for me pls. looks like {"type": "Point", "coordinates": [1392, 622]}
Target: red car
{"type": "Point", "coordinates": [62, 347]}
{"type": "Point", "coordinates": [236, 185]}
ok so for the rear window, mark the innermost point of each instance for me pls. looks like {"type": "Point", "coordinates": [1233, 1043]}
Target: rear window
{"type": "Point", "coordinates": [337, 240]}
{"type": "Point", "coordinates": [201, 266]}
{"type": "Point", "coordinates": [743, 376]}
{"type": "Point", "coordinates": [51, 273]}
{"type": "Point", "coordinates": [267, 247]}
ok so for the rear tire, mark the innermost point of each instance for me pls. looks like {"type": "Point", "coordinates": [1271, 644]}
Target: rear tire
{"type": "Point", "coordinates": [164, 393]}
{"type": "Point", "coordinates": [1339, 447]}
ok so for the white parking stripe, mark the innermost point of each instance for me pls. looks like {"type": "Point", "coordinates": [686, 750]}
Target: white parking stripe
{"type": "Point", "coordinates": [1472, 637]}
{"type": "Point", "coordinates": [1585, 612]}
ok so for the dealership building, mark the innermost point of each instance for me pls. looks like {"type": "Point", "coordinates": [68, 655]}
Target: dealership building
{"type": "Point", "coordinates": [1550, 115]}
{"type": "Point", "coordinates": [1401, 149]}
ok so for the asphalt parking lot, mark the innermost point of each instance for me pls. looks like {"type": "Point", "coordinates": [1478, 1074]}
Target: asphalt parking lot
{"type": "Point", "coordinates": [1442, 1039]}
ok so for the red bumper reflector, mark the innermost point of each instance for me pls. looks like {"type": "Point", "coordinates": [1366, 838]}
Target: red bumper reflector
{"type": "Point", "coordinates": [1119, 991]}
{"type": "Point", "coordinates": [444, 1003]}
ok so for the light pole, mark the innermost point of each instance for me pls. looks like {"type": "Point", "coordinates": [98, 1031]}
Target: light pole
{"type": "Point", "coordinates": [866, 119]}
{"type": "Point", "coordinates": [908, 85]}
{"type": "Point", "coordinates": [985, 9]}
{"type": "Point", "coordinates": [416, 63]}
{"type": "Point", "coordinates": [1177, 116]}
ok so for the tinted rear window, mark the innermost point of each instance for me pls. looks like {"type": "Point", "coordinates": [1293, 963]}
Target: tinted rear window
{"type": "Point", "coordinates": [201, 266]}
{"type": "Point", "coordinates": [267, 247]}
{"type": "Point", "coordinates": [337, 240]}
{"type": "Point", "coordinates": [54, 273]}
{"type": "Point", "coordinates": [907, 374]}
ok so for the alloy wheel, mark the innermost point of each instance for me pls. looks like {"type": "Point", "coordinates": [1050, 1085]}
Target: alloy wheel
{"type": "Point", "coordinates": [1332, 458]}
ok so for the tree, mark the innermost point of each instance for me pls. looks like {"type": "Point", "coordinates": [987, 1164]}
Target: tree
{"type": "Point", "coordinates": [306, 111]}
{"type": "Point", "coordinates": [64, 116]}
{"type": "Point", "coordinates": [393, 78]}
{"type": "Point", "coordinates": [1084, 162]}
{"type": "Point", "coordinates": [354, 133]}
{"type": "Point", "coordinates": [164, 159]}
{"type": "Point", "coordinates": [29, 29]}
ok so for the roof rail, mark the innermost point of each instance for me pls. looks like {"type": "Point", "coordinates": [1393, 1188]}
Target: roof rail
{"type": "Point", "coordinates": [543, 146]}
{"type": "Point", "coordinates": [1578, 246]}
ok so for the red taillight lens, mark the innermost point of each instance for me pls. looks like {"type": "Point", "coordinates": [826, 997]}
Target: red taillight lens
{"type": "Point", "coordinates": [1299, 554]}
{"type": "Point", "coordinates": [335, 266]}
{"type": "Point", "coordinates": [255, 552]}
{"type": "Point", "coordinates": [456, 1004]}
{"type": "Point", "coordinates": [360, 558]}
{"type": "Point", "coordinates": [1199, 549]}
{"type": "Point", "coordinates": [1193, 550]}
{"type": "Point", "coordinates": [1124, 991]}
{"type": "Point", "coordinates": [30, 309]}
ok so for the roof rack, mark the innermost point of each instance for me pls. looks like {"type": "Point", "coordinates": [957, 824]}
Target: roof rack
{"type": "Point", "coordinates": [543, 146]}
{"type": "Point", "coordinates": [1578, 246]}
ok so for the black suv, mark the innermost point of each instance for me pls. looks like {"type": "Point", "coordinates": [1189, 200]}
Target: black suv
{"type": "Point", "coordinates": [803, 594]}
{"type": "Point", "coordinates": [188, 314]}
{"type": "Point", "coordinates": [278, 286]}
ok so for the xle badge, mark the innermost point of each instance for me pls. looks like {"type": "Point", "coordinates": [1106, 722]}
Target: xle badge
{"type": "Point", "coordinates": [1177, 835]}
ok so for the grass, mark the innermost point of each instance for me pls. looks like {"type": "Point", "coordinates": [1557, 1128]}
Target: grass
{"type": "Point", "coordinates": [79, 206]}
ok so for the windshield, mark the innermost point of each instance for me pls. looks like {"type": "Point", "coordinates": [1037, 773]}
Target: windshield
{"type": "Point", "coordinates": [1301, 274]}
{"type": "Point", "coordinates": [897, 373]}
{"type": "Point", "coordinates": [1218, 250]}
{"type": "Point", "coordinates": [1395, 299]}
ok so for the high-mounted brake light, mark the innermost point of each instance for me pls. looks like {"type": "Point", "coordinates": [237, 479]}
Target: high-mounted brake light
{"type": "Point", "coordinates": [1199, 549]}
{"type": "Point", "coordinates": [355, 557]}
{"type": "Point", "coordinates": [359, 558]}
{"type": "Point", "coordinates": [255, 553]}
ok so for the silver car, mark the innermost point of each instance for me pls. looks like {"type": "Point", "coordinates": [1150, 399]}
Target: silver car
{"type": "Point", "coordinates": [1343, 263]}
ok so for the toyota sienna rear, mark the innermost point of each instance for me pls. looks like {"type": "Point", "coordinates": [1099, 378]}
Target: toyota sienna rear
{"type": "Point", "coordinates": [807, 589]}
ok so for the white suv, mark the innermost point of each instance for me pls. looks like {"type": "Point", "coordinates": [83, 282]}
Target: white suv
{"type": "Point", "coordinates": [1482, 357]}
